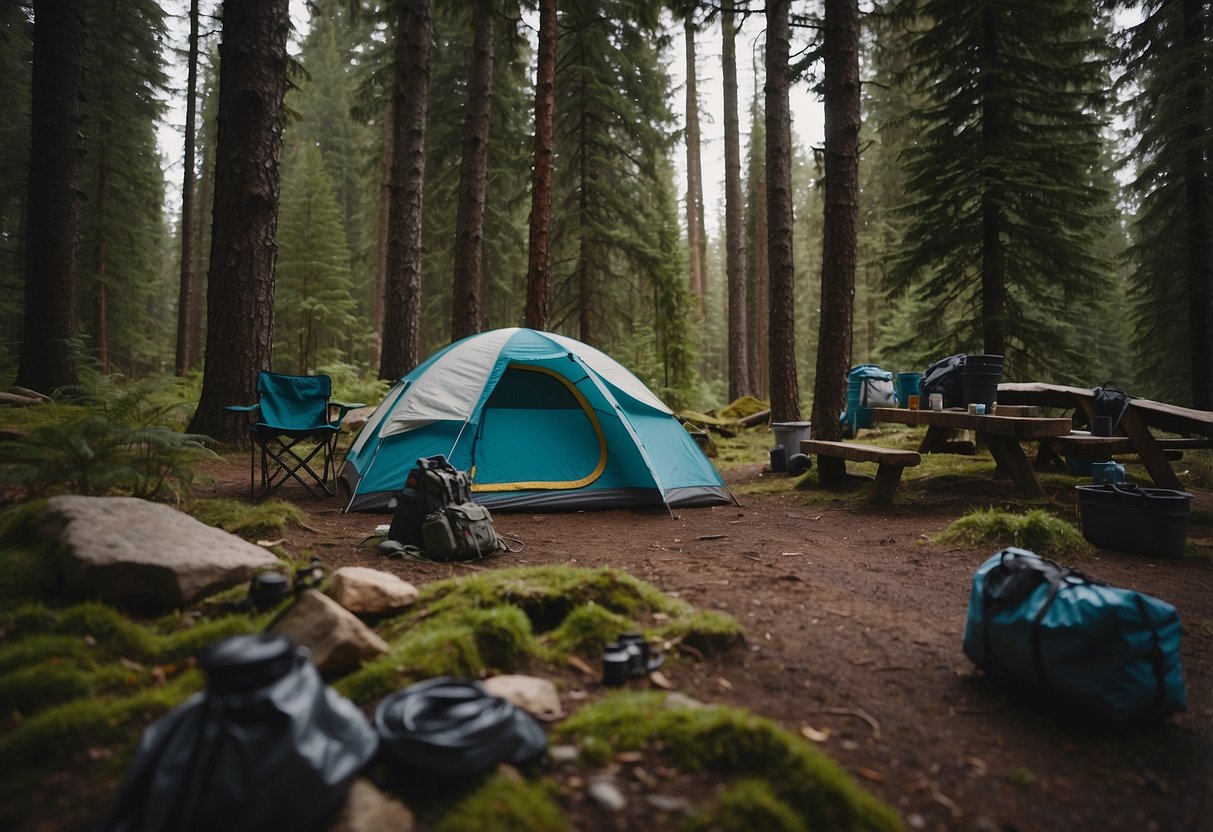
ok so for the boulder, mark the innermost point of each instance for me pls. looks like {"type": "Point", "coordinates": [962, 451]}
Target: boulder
{"type": "Point", "coordinates": [338, 641]}
{"type": "Point", "coordinates": [370, 592]}
{"type": "Point", "coordinates": [534, 695]}
{"type": "Point", "coordinates": [367, 809]}
{"type": "Point", "coordinates": [135, 553]}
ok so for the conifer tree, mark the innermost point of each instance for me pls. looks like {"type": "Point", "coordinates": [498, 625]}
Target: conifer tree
{"type": "Point", "coordinates": [314, 309]}
{"type": "Point", "coordinates": [1004, 207]}
{"type": "Point", "coordinates": [16, 35]}
{"type": "Point", "coordinates": [1170, 63]}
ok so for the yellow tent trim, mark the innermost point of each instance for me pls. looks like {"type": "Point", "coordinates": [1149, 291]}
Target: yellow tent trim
{"type": "Point", "coordinates": [549, 485]}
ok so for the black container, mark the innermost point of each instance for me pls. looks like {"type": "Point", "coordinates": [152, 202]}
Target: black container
{"type": "Point", "coordinates": [779, 459]}
{"type": "Point", "coordinates": [268, 590]}
{"type": "Point", "coordinates": [638, 653]}
{"type": "Point", "coordinates": [615, 666]}
{"type": "Point", "coordinates": [1147, 521]}
{"type": "Point", "coordinates": [980, 376]}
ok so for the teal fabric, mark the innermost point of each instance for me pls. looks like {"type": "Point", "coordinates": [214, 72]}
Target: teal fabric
{"type": "Point", "coordinates": [294, 403]}
{"type": "Point", "coordinates": [529, 426]}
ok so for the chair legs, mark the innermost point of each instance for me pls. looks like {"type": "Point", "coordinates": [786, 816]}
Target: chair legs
{"type": "Point", "coordinates": [282, 460]}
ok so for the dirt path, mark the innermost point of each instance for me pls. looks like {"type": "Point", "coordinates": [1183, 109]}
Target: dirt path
{"type": "Point", "coordinates": [853, 622]}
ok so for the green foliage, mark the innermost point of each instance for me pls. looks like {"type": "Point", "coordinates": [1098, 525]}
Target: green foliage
{"type": "Point", "coordinates": [1005, 199]}
{"type": "Point", "coordinates": [314, 306]}
{"type": "Point", "coordinates": [251, 522]}
{"type": "Point", "coordinates": [504, 804]}
{"type": "Point", "coordinates": [726, 741]}
{"type": "Point", "coordinates": [122, 442]}
{"type": "Point", "coordinates": [751, 804]}
{"type": "Point", "coordinates": [1037, 530]}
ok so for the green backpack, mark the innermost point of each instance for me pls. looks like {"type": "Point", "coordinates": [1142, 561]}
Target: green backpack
{"type": "Point", "coordinates": [463, 531]}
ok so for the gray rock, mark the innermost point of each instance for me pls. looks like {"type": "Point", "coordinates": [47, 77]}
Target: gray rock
{"type": "Point", "coordinates": [127, 551]}
{"type": "Point", "coordinates": [532, 694]}
{"type": "Point", "coordinates": [367, 809]}
{"type": "Point", "coordinates": [371, 592]}
{"type": "Point", "coordinates": [607, 794]}
{"type": "Point", "coordinates": [338, 641]}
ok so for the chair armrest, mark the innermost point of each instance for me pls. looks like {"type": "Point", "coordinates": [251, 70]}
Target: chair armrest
{"type": "Point", "coordinates": [241, 408]}
{"type": "Point", "coordinates": [344, 408]}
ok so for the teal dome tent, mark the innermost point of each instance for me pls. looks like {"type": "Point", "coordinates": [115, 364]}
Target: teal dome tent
{"type": "Point", "coordinates": [541, 421]}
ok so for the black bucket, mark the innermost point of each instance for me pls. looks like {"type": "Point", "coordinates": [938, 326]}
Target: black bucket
{"type": "Point", "coordinates": [980, 377]}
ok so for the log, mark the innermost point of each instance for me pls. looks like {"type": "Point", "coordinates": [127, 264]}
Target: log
{"type": "Point", "coordinates": [753, 419]}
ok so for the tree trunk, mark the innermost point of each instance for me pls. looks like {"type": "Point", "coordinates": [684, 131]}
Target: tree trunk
{"type": "Point", "coordinates": [585, 327]}
{"type": "Point", "coordinates": [696, 244]}
{"type": "Point", "coordinates": [1198, 213]}
{"type": "Point", "coordinates": [467, 317]}
{"type": "Point", "coordinates": [100, 315]}
{"type": "Point", "coordinates": [785, 390]}
{"type": "Point", "coordinates": [734, 210]}
{"type": "Point", "coordinates": [187, 291]}
{"type": "Point", "coordinates": [410, 101]}
{"type": "Point", "coordinates": [760, 283]}
{"type": "Point", "coordinates": [840, 217]}
{"type": "Point", "coordinates": [52, 228]}
{"type": "Point", "coordinates": [539, 263]}
{"type": "Point", "coordinates": [206, 205]}
{"type": "Point", "coordinates": [244, 250]}
{"type": "Point", "coordinates": [385, 202]}
{"type": "Point", "coordinates": [993, 266]}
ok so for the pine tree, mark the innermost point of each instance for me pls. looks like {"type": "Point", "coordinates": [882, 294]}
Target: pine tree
{"type": "Point", "coordinates": [1004, 206]}
{"type": "Point", "coordinates": [739, 358]}
{"type": "Point", "coordinates": [539, 256]}
{"type": "Point", "coordinates": [1170, 62]}
{"type": "Point", "coordinates": [314, 309]}
{"type": "Point", "coordinates": [16, 35]}
{"type": "Point", "coordinates": [757, 267]}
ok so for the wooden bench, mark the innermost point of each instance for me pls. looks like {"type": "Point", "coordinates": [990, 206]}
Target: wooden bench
{"type": "Point", "coordinates": [891, 461]}
{"type": "Point", "coordinates": [1085, 446]}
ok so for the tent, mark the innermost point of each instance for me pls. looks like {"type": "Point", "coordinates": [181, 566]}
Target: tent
{"type": "Point", "coordinates": [540, 420]}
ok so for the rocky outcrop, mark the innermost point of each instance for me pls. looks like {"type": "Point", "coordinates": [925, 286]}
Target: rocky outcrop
{"type": "Point", "coordinates": [338, 641]}
{"type": "Point", "coordinates": [370, 592]}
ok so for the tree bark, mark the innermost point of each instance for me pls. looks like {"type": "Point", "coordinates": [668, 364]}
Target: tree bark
{"type": "Point", "coordinates": [52, 228]}
{"type": "Point", "coordinates": [1198, 213]}
{"type": "Point", "coordinates": [841, 92]}
{"type": "Point", "coordinates": [467, 316]}
{"type": "Point", "coordinates": [206, 206]}
{"type": "Point", "coordinates": [734, 210]}
{"type": "Point", "coordinates": [785, 390]}
{"type": "Point", "coordinates": [993, 266]}
{"type": "Point", "coordinates": [385, 203]}
{"type": "Point", "coordinates": [100, 315]}
{"type": "Point", "coordinates": [244, 250]}
{"type": "Point", "coordinates": [539, 263]}
{"type": "Point", "coordinates": [410, 102]}
{"type": "Point", "coordinates": [696, 242]}
{"type": "Point", "coordinates": [187, 290]}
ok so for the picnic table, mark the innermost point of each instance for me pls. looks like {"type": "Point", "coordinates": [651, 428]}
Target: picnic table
{"type": "Point", "coordinates": [1001, 434]}
{"type": "Point", "coordinates": [1141, 420]}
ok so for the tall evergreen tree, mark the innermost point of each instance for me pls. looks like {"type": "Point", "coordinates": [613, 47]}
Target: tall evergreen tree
{"type": "Point", "coordinates": [52, 242]}
{"type": "Point", "coordinates": [539, 262]}
{"type": "Point", "coordinates": [410, 102]}
{"type": "Point", "coordinates": [696, 229]}
{"type": "Point", "coordinates": [785, 394]}
{"type": "Point", "coordinates": [840, 51]}
{"type": "Point", "coordinates": [240, 290]}
{"type": "Point", "coordinates": [734, 209]}
{"type": "Point", "coordinates": [1170, 64]}
{"type": "Point", "coordinates": [314, 309]}
{"type": "Point", "coordinates": [757, 269]}
{"type": "Point", "coordinates": [1004, 207]}
{"type": "Point", "coordinates": [16, 35]}
{"type": "Point", "coordinates": [187, 291]}
{"type": "Point", "coordinates": [468, 284]}
{"type": "Point", "coordinates": [612, 116]}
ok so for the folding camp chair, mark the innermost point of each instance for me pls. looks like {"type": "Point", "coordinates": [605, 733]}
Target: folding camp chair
{"type": "Point", "coordinates": [290, 426]}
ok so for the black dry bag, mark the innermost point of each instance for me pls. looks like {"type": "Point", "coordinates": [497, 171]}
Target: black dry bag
{"type": "Point", "coordinates": [267, 745]}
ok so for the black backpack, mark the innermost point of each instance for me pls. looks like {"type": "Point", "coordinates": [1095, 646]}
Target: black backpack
{"type": "Point", "coordinates": [1110, 401]}
{"type": "Point", "coordinates": [945, 376]}
{"type": "Point", "coordinates": [432, 485]}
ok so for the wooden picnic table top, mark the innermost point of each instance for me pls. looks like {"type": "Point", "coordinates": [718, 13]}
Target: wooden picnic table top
{"type": "Point", "coordinates": [1160, 415]}
{"type": "Point", "coordinates": [1020, 427]}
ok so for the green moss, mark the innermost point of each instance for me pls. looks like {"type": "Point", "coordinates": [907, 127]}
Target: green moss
{"type": "Point", "coordinates": [251, 522]}
{"type": "Point", "coordinates": [707, 631]}
{"type": "Point", "coordinates": [744, 406]}
{"type": "Point", "coordinates": [52, 682]}
{"type": "Point", "coordinates": [27, 560]}
{"type": "Point", "coordinates": [726, 740]}
{"type": "Point", "coordinates": [505, 804]}
{"type": "Point", "coordinates": [1037, 530]}
{"type": "Point", "coordinates": [587, 629]}
{"type": "Point", "coordinates": [749, 805]}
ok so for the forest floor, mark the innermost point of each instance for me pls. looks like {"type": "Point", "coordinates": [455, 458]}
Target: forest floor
{"type": "Point", "coordinates": [853, 619]}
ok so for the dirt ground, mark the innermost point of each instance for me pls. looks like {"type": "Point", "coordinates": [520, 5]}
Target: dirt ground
{"type": "Point", "coordinates": [853, 620]}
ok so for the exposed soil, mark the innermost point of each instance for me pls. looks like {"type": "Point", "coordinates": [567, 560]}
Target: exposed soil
{"type": "Point", "coordinates": [853, 620]}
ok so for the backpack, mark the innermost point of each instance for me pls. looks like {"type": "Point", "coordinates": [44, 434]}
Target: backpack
{"type": "Point", "coordinates": [1073, 642]}
{"type": "Point", "coordinates": [1110, 401]}
{"type": "Point", "coordinates": [459, 532]}
{"type": "Point", "coordinates": [432, 484]}
{"type": "Point", "coordinates": [945, 376]}
{"type": "Point", "coordinates": [875, 386]}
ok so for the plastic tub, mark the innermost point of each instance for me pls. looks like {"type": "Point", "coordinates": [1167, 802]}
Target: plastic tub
{"type": "Point", "coordinates": [1147, 521]}
{"type": "Point", "coordinates": [908, 384]}
{"type": "Point", "coordinates": [789, 434]}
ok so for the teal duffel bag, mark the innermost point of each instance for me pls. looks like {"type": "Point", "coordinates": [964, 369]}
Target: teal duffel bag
{"type": "Point", "coordinates": [1097, 649]}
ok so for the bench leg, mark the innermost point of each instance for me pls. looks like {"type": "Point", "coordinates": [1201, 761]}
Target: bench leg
{"type": "Point", "coordinates": [935, 441]}
{"type": "Point", "coordinates": [887, 478]}
{"type": "Point", "coordinates": [831, 470]}
{"type": "Point", "coordinates": [1009, 455]}
{"type": "Point", "coordinates": [1147, 449]}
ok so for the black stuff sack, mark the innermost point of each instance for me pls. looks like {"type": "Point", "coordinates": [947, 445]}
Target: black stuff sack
{"type": "Point", "coordinates": [266, 745]}
{"type": "Point", "coordinates": [1080, 646]}
{"type": "Point", "coordinates": [453, 727]}
{"type": "Point", "coordinates": [431, 485]}
{"type": "Point", "coordinates": [1109, 400]}
{"type": "Point", "coordinates": [459, 532]}
{"type": "Point", "coordinates": [945, 376]}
